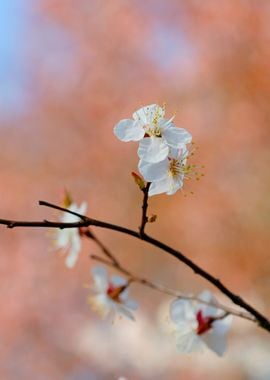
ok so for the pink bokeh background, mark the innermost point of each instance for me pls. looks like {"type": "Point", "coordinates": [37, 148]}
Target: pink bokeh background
{"type": "Point", "coordinates": [80, 67]}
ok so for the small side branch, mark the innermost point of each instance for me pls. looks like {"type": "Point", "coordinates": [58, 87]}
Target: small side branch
{"type": "Point", "coordinates": [104, 249]}
{"type": "Point", "coordinates": [144, 209]}
{"type": "Point", "coordinates": [170, 292]}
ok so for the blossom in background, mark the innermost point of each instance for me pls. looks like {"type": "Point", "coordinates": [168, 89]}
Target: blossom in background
{"type": "Point", "coordinates": [110, 295]}
{"type": "Point", "coordinates": [155, 133]}
{"type": "Point", "coordinates": [69, 239]}
{"type": "Point", "coordinates": [167, 176]}
{"type": "Point", "coordinates": [199, 325]}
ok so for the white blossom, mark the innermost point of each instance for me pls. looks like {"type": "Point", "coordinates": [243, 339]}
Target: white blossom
{"type": "Point", "coordinates": [69, 239]}
{"type": "Point", "coordinates": [199, 325]}
{"type": "Point", "coordinates": [110, 295]}
{"type": "Point", "coordinates": [167, 176]}
{"type": "Point", "coordinates": [155, 133]}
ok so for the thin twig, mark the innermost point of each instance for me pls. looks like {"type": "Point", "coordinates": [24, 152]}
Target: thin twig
{"type": "Point", "coordinates": [170, 292]}
{"type": "Point", "coordinates": [144, 209]}
{"type": "Point", "coordinates": [104, 249]}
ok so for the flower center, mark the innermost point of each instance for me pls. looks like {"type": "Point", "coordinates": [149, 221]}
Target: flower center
{"type": "Point", "coordinates": [114, 292]}
{"type": "Point", "coordinates": [179, 167]}
{"type": "Point", "coordinates": [175, 167]}
{"type": "Point", "coordinates": [153, 128]}
{"type": "Point", "coordinates": [204, 323]}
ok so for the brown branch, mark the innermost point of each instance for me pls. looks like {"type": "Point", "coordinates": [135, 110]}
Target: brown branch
{"type": "Point", "coordinates": [261, 320]}
{"type": "Point", "coordinates": [144, 209]}
{"type": "Point", "coordinates": [104, 249]}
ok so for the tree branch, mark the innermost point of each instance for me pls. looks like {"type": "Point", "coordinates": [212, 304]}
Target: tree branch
{"type": "Point", "coordinates": [261, 320]}
{"type": "Point", "coordinates": [104, 249]}
{"type": "Point", "coordinates": [144, 209]}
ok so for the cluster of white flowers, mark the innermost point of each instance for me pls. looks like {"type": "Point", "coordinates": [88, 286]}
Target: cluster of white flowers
{"type": "Point", "coordinates": [162, 149]}
{"type": "Point", "coordinates": [163, 152]}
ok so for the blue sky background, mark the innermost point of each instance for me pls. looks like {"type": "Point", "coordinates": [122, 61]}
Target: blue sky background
{"type": "Point", "coordinates": [14, 79]}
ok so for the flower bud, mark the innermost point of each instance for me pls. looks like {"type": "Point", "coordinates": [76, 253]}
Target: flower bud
{"type": "Point", "coordinates": [152, 218]}
{"type": "Point", "coordinates": [139, 180]}
{"type": "Point", "coordinates": [67, 199]}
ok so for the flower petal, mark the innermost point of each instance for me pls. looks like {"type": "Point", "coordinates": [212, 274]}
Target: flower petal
{"type": "Point", "coordinates": [123, 310]}
{"type": "Point", "coordinates": [207, 310]}
{"type": "Point", "coordinates": [147, 114]}
{"type": "Point", "coordinates": [176, 137]}
{"type": "Point", "coordinates": [222, 326]}
{"type": "Point", "coordinates": [62, 238]}
{"type": "Point", "coordinates": [131, 304]}
{"type": "Point", "coordinates": [188, 341]}
{"type": "Point", "coordinates": [159, 187]}
{"type": "Point", "coordinates": [100, 277]}
{"type": "Point", "coordinates": [176, 184]}
{"type": "Point", "coordinates": [118, 281]}
{"type": "Point", "coordinates": [154, 171]}
{"type": "Point", "coordinates": [70, 218]}
{"type": "Point", "coordinates": [182, 311]}
{"type": "Point", "coordinates": [153, 149]}
{"type": "Point", "coordinates": [82, 209]}
{"type": "Point", "coordinates": [166, 123]}
{"type": "Point", "coordinates": [75, 247]}
{"type": "Point", "coordinates": [129, 130]}
{"type": "Point", "coordinates": [216, 343]}
{"type": "Point", "coordinates": [101, 304]}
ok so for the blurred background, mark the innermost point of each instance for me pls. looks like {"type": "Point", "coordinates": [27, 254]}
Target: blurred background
{"type": "Point", "coordinates": [69, 71]}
